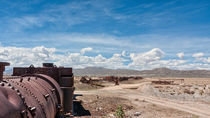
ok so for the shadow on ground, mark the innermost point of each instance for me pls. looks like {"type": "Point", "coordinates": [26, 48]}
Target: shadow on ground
{"type": "Point", "coordinates": [78, 109]}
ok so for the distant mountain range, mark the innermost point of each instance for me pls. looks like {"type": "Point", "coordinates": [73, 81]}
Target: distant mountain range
{"type": "Point", "coordinates": [159, 72]}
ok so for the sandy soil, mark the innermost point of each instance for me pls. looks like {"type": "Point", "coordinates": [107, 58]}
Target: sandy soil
{"type": "Point", "coordinates": [143, 99]}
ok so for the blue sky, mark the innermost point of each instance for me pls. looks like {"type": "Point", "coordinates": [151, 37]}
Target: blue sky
{"type": "Point", "coordinates": [128, 33]}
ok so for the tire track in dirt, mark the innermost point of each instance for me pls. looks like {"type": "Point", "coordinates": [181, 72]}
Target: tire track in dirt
{"type": "Point", "coordinates": [124, 92]}
{"type": "Point", "coordinates": [204, 113]}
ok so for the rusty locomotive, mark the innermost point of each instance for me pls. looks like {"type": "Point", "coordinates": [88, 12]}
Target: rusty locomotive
{"type": "Point", "coordinates": [36, 92]}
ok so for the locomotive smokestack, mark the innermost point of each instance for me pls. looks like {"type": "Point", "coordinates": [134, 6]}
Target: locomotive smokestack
{"type": "Point", "coordinates": [2, 68]}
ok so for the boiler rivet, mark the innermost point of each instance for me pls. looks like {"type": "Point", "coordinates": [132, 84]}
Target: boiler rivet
{"type": "Point", "coordinates": [46, 96]}
{"type": "Point", "coordinates": [2, 84]}
{"type": "Point", "coordinates": [12, 87]}
{"type": "Point", "coordinates": [17, 90]}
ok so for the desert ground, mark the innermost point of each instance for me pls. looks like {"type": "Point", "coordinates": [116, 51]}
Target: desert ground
{"type": "Point", "coordinates": [146, 98]}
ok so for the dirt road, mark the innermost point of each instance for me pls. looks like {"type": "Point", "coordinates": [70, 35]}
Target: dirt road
{"type": "Point", "coordinates": [131, 92]}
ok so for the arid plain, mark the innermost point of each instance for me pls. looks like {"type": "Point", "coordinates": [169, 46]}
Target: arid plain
{"type": "Point", "coordinates": [155, 97]}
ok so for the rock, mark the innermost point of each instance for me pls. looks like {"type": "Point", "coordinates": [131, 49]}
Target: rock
{"type": "Point", "coordinates": [207, 86]}
{"type": "Point", "coordinates": [111, 115]}
{"type": "Point", "coordinates": [137, 114]}
{"type": "Point", "coordinates": [172, 93]}
{"type": "Point", "coordinates": [98, 109]}
{"type": "Point", "coordinates": [200, 88]}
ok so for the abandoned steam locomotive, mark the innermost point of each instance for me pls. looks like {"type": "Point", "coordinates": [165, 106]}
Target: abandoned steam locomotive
{"type": "Point", "coordinates": [43, 92]}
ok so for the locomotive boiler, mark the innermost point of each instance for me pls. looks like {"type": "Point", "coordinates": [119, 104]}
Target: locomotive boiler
{"type": "Point", "coordinates": [36, 92]}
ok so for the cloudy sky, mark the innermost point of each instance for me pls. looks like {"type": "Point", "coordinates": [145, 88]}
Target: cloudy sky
{"type": "Point", "coordinates": [129, 34]}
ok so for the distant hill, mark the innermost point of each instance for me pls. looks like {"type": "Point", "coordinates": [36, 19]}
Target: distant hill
{"type": "Point", "coordinates": [158, 72]}
{"type": "Point", "coordinates": [100, 71]}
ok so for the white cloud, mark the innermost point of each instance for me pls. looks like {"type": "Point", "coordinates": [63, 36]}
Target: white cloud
{"type": "Point", "coordinates": [38, 55]}
{"type": "Point", "coordinates": [83, 50]}
{"type": "Point", "coordinates": [124, 53]}
{"type": "Point", "coordinates": [171, 63]}
{"type": "Point", "coordinates": [101, 40]}
{"type": "Point", "coordinates": [180, 55]}
{"type": "Point", "coordinates": [26, 56]}
{"type": "Point", "coordinates": [147, 60]}
{"type": "Point", "coordinates": [208, 60]}
{"type": "Point", "coordinates": [153, 59]}
{"type": "Point", "coordinates": [28, 21]}
{"type": "Point", "coordinates": [198, 55]}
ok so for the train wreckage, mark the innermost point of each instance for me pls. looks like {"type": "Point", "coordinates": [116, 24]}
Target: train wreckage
{"type": "Point", "coordinates": [36, 92]}
{"type": "Point", "coordinates": [44, 92]}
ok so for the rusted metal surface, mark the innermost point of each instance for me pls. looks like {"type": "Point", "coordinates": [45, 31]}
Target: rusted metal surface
{"type": "Point", "coordinates": [35, 96]}
{"type": "Point", "coordinates": [68, 99]}
{"type": "Point", "coordinates": [163, 82]}
{"type": "Point", "coordinates": [44, 92]}
{"type": "Point", "coordinates": [168, 81]}
{"type": "Point", "coordinates": [52, 71]}
{"type": "Point", "coordinates": [61, 75]}
{"type": "Point", "coordinates": [2, 68]}
{"type": "Point", "coordinates": [116, 78]}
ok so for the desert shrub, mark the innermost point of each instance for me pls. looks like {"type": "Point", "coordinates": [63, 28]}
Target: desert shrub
{"type": "Point", "coordinates": [172, 93]}
{"type": "Point", "coordinates": [187, 91]}
{"type": "Point", "coordinates": [201, 92]}
{"type": "Point", "coordinates": [119, 113]}
{"type": "Point", "coordinates": [192, 92]}
{"type": "Point", "coordinates": [154, 105]}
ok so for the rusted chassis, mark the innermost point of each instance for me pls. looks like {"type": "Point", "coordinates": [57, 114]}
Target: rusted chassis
{"type": "Point", "coordinates": [46, 92]}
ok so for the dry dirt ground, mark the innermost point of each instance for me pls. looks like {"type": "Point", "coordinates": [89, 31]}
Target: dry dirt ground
{"type": "Point", "coordinates": [144, 99]}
